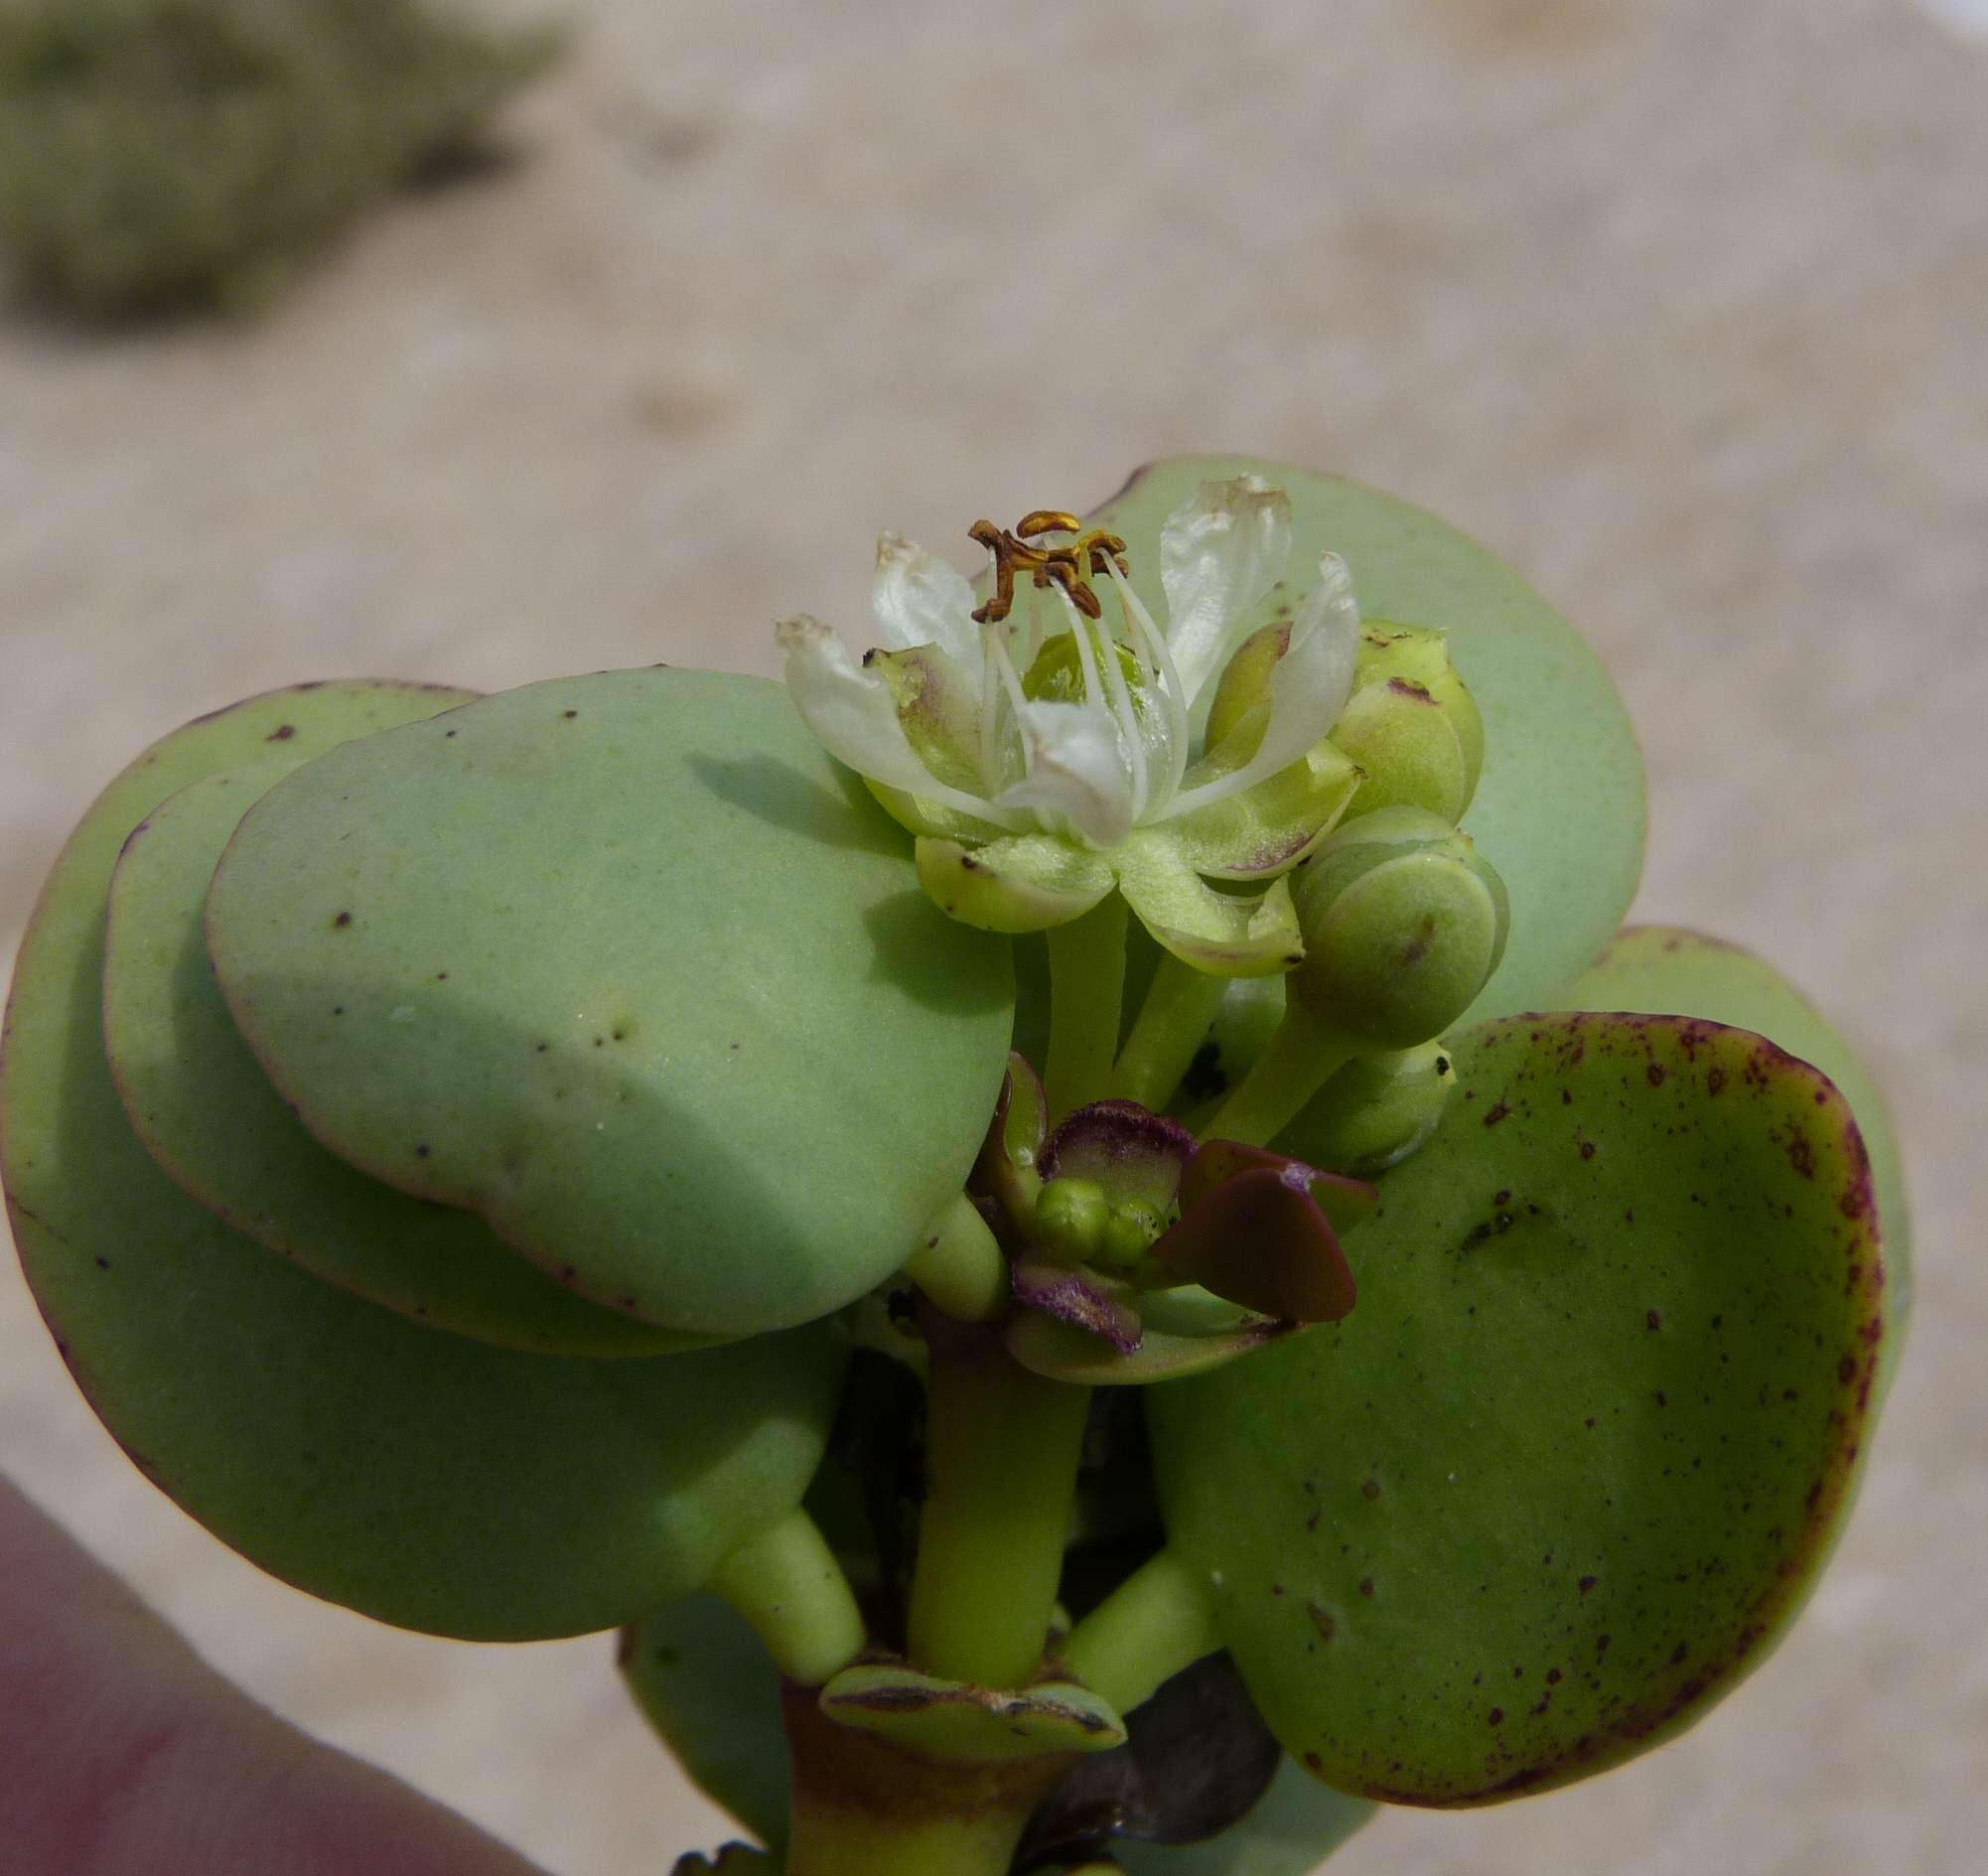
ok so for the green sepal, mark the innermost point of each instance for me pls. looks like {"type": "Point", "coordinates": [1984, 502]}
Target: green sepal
{"type": "Point", "coordinates": [1015, 883]}
{"type": "Point", "coordinates": [1571, 1466]}
{"type": "Point", "coordinates": [1270, 827]}
{"type": "Point", "coordinates": [1228, 935]}
{"type": "Point", "coordinates": [922, 818]}
{"type": "Point", "coordinates": [956, 1720]}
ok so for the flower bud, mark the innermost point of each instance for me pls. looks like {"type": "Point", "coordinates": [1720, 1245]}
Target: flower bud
{"type": "Point", "coordinates": [1403, 923]}
{"type": "Point", "coordinates": [1130, 1233]}
{"type": "Point", "coordinates": [1070, 1219]}
{"type": "Point", "coordinates": [1376, 1111]}
{"type": "Point", "coordinates": [1410, 724]}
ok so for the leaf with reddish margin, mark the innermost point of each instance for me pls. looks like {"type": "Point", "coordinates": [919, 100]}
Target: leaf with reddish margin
{"type": "Point", "coordinates": [1571, 1466]}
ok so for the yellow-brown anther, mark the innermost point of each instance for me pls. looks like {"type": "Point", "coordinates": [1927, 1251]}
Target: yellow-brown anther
{"type": "Point", "coordinates": [1069, 566]}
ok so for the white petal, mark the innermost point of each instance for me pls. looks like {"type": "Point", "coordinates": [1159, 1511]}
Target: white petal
{"type": "Point", "coordinates": [1076, 773]}
{"type": "Point", "coordinates": [1308, 689]}
{"type": "Point", "coordinates": [850, 711]}
{"type": "Point", "coordinates": [1218, 555]}
{"type": "Point", "coordinates": [920, 600]}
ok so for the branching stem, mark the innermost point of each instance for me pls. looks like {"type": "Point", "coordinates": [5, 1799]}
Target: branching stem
{"type": "Point", "coordinates": [1181, 1003]}
{"type": "Point", "coordinates": [1303, 1054]}
{"type": "Point", "coordinates": [960, 1266]}
{"type": "Point", "coordinates": [1001, 1455]}
{"type": "Point", "coordinates": [787, 1584]}
{"type": "Point", "coordinates": [1154, 1624]}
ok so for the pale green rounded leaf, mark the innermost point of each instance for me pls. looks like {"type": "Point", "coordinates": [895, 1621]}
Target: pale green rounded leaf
{"type": "Point", "coordinates": [1290, 1831]}
{"type": "Point", "coordinates": [422, 1478]}
{"type": "Point", "coordinates": [705, 1683]}
{"type": "Point", "coordinates": [626, 965]}
{"type": "Point", "coordinates": [210, 1116]}
{"type": "Point", "coordinates": [1568, 1469]}
{"type": "Point", "coordinates": [1559, 807]}
{"type": "Point", "coordinates": [1665, 971]}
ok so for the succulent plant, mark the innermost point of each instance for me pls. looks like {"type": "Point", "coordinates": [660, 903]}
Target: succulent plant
{"type": "Point", "coordinates": [632, 1152]}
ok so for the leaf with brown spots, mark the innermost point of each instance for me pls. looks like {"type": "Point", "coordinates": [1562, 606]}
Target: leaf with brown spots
{"type": "Point", "coordinates": [1669, 1412]}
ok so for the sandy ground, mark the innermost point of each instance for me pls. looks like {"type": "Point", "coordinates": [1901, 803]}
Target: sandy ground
{"type": "Point", "coordinates": [1682, 304]}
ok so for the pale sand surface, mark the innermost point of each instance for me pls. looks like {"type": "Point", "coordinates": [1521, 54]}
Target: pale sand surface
{"type": "Point", "coordinates": [1682, 304]}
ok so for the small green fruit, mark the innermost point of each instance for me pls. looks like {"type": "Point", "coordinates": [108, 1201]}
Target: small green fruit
{"type": "Point", "coordinates": [1403, 923]}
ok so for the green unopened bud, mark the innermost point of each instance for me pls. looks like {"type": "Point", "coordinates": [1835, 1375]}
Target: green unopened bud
{"type": "Point", "coordinates": [1376, 1111]}
{"type": "Point", "coordinates": [1411, 725]}
{"type": "Point", "coordinates": [1130, 1233]}
{"type": "Point", "coordinates": [1070, 1219]}
{"type": "Point", "coordinates": [1403, 923]}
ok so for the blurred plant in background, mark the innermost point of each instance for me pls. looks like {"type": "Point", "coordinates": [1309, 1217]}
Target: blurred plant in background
{"type": "Point", "coordinates": [163, 155]}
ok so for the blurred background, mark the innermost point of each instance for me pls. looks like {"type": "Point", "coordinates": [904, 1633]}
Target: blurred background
{"type": "Point", "coordinates": [1680, 305]}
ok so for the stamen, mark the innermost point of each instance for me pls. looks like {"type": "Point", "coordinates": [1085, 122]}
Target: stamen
{"type": "Point", "coordinates": [1011, 684]}
{"type": "Point", "coordinates": [1086, 657]}
{"type": "Point", "coordinates": [1068, 567]}
{"type": "Point", "coordinates": [1127, 717]}
{"type": "Point", "coordinates": [1139, 626]}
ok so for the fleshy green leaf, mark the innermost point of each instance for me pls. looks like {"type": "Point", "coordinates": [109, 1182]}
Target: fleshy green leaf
{"type": "Point", "coordinates": [628, 967]}
{"type": "Point", "coordinates": [420, 1477]}
{"type": "Point", "coordinates": [208, 1115]}
{"type": "Point", "coordinates": [704, 1680]}
{"type": "Point", "coordinates": [1570, 1467]}
{"type": "Point", "coordinates": [1665, 970]}
{"type": "Point", "coordinates": [1295, 1826]}
{"type": "Point", "coordinates": [1559, 807]}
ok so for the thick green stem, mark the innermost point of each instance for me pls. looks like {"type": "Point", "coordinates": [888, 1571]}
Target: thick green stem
{"type": "Point", "coordinates": [1181, 1004]}
{"type": "Point", "coordinates": [1086, 994]}
{"type": "Point", "coordinates": [862, 1806]}
{"type": "Point", "coordinates": [853, 1843]}
{"type": "Point", "coordinates": [787, 1583]}
{"type": "Point", "coordinates": [960, 1267]}
{"type": "Point", "coordinates": [1154, 1624]}
{"type": "Point", "coordinates": [1001, 1455]}
{"type": "Point", "coordinates": [1303, 1054]}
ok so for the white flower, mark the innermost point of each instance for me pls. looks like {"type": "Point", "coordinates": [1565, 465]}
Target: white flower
{"type": "Point", "coordinates": [1045, 757]}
